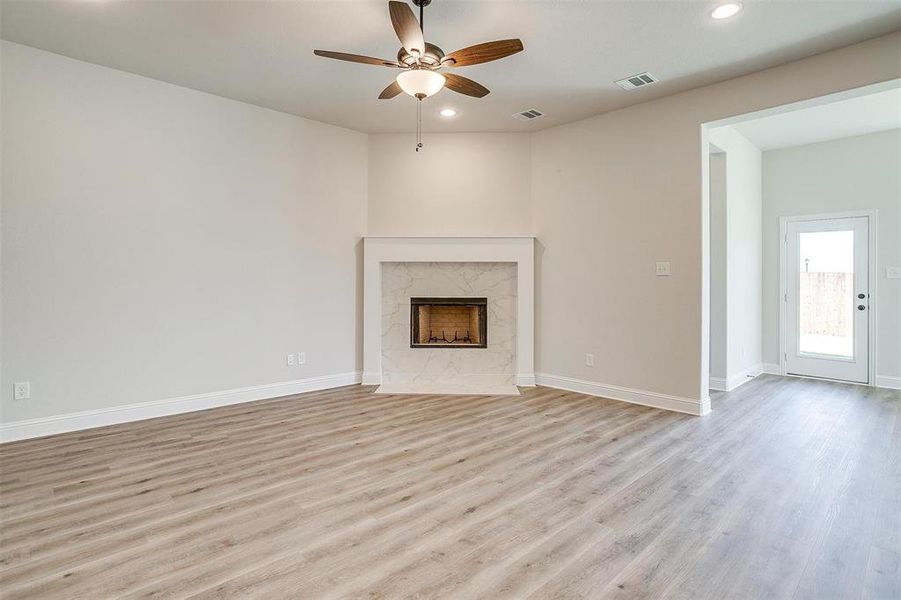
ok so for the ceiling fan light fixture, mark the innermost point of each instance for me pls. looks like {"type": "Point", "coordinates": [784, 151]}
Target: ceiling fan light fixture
{"type": "Point", "coordinates": [419, 60]}
{"type": "Point", "coordinates": [421, 83]}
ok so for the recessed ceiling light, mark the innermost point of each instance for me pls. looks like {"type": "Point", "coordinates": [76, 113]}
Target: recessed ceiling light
{"type": "Point", "coordinates": [448, 112]}
{"type": "Point", "coordinates": [724, 11]}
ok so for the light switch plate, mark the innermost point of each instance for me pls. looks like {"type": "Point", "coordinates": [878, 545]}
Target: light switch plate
{"type": "Point", "coordinates": [893, 272]}
{"type": "Point", "coordinates": [663, 269]}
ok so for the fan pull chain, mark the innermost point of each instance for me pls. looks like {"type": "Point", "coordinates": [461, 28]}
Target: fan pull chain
{"type": "Point", "coordinates": [418, 124]}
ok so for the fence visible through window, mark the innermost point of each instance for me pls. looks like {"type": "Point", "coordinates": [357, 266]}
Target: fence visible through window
{"type": "Point", "coordinates": [826, 294]}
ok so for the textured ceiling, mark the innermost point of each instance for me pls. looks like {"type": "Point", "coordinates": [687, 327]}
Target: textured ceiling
{"type": "Point", "coordinates": [261, 51]}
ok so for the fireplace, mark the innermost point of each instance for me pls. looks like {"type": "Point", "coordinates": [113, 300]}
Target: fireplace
{"type": "Point", "coordinates": [448, 322]}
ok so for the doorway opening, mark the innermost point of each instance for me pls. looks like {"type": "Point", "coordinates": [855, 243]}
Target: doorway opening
{"type": "Point", "coordinates": [794, 200]}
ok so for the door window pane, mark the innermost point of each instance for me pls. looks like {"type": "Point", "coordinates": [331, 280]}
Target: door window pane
{"type": "Point", "coordinates": [826, 294]}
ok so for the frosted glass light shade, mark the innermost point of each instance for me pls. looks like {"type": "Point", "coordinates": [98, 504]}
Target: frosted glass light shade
{"type": "Point", "coordinates": [420, 82]}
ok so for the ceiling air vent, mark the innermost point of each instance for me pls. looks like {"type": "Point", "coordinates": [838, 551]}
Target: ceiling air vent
{"type": "Point", "coordinates": [528, 115]}
{"type": "Point", "coordinates": [636, 81]}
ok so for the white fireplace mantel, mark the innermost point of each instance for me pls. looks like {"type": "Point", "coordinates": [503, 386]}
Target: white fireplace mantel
{"type": "Point", "coordinates": [378, 250]}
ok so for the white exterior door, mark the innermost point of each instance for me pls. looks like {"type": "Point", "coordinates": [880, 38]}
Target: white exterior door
{"type": "Point", "coordinates": [827, 301]}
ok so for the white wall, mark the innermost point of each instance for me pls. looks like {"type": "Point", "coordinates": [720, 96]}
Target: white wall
{"type": "Point", "coordinates": [743, 269]}
{"type": "Point", "coordinates": [617, 192]}
{"type": "Point", "coordinates": [460, 184]}
{"type": "Point", "coordinates": [718, 253]}
{"type": "Point", "coordinates": [854, 173]}
{"type": "Point", "coordinates": [159, 242]}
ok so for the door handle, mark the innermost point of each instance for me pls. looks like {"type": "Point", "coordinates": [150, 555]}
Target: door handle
{"type": "Point", "coordinates": [861, 296]}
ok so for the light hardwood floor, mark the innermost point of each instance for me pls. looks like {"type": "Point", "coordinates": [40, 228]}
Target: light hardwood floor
{"type": "Point", "coordinates": [789, 489]}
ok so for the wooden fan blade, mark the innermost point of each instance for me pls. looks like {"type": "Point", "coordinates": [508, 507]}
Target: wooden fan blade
{"type": "Point", "coordinates": [462, 85]}
{"type": "Point", "coordinates": [482, 53]}
{"type": "Point", "coordinates": [406, 27]}
{"type": "Point", "coordinates": [357, 58]}
{"type": "Point", "coordinates": [391, 91]}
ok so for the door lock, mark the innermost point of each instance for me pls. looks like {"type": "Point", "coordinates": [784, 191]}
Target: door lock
{"type": "Point", "coordinates": [861, 307]}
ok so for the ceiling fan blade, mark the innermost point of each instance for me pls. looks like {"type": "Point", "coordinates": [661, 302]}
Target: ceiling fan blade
{"type": "Point", "coordinates": [462, 85]}
{"type": "Point", "coordinates": [407, 27]}
{"type": "Point", "coordinates": [391, 91]}
{"type": "Point", "coordinates": [482, 53]}
{"type": "Point", "coordinates": [357, 58]}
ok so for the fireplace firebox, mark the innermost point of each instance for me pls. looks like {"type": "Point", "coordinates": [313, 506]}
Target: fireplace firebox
{"type": "Point", "coordinates": [448, 322]}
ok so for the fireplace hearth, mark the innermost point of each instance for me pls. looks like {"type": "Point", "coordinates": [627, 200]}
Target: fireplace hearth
{"type": "Point", "coordinates": [448, 322]}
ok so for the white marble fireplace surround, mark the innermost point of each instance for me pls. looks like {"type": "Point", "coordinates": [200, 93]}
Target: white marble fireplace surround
{"type": "Point", "coordinates": [462, 370]}
{"type": "Point", "coordinates": [501, 269]}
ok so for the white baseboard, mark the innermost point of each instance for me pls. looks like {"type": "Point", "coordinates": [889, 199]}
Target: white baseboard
{"type": "Point", "coordinates": [525, 380]}
{"type": "Point", "coordinates": [734, 381]}
{"type": "Point", "coordinates": [886, 381]}
{"type": "Point", "coordinates": [614, 392]}
{"type": "Point", "coordinates": [771, 369]}
{"type": "Point", "coordinates": [32, 428]}
{"type": "Point", "coordinates": [717, 384]}
{"type": "Point", "coordinates": [372, 379]}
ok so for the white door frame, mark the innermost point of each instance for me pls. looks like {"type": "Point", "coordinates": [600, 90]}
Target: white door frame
{"type": "Point", "coordinates": [870, 215]}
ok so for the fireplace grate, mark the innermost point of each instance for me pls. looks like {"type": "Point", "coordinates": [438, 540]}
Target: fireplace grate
{"type": "Point", "coordinates": [448, 322]}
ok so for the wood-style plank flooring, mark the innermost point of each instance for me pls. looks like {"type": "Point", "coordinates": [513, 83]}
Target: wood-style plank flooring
{"type": "Point", "coordinates": [789, 489]}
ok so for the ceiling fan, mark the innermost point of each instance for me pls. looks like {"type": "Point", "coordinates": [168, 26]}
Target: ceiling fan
{"type": "Point", "coordinates": [421, 61]}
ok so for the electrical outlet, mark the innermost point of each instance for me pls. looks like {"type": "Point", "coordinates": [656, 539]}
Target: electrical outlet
{"type": "Point", "coordinates": [290, 360]}
{"type": "Point", "coordinates": [22, 390]}
{"type": "Point", "coordinates": [301, 358]}
{"type": "Point", "coordinates": [589, 360]}
{"type": "Point", "coordinates": [663, 269]}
